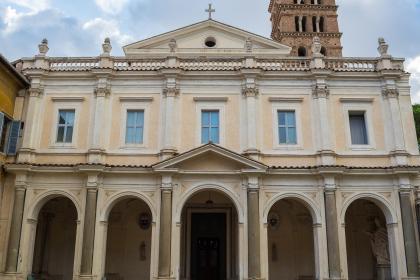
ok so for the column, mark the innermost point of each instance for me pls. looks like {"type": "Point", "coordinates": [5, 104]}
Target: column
{"type": "Point", "coordinates": [15, 229]}
{"type": "Point", "coordinates": [89, 231]}
{"type": "Point", "coordinates": [254, 258]}
{"type": "Point", "coordinates": [410, 243]}
{"type": "Point", "coordinates": [332, 229]}
{"type": "Point", "coordinates": [250, 92]}
{"type": "Point", "coordinates": [170, 92]}
{"type": "Point", "coordinates": [164, 271]}
{"type": "Point", "coordinates": [32, 121]}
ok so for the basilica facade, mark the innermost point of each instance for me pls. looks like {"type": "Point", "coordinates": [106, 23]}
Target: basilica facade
{"type": "Point", "coordinates": [210, 152]}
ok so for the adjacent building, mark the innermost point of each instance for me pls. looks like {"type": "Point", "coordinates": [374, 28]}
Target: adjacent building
{"type": "Point", "coordinates": [210, 152]}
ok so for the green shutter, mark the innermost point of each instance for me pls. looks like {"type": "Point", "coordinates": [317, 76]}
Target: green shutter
{"type": "Point", "coordinates": [13, 138]}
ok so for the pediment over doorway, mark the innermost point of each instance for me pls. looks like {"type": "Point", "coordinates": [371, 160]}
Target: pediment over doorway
{"type": "Point", "coordinates": [210, 158]}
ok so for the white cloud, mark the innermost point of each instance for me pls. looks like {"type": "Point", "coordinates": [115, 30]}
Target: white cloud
{"type": "Point", "coordinates": [111, 6]}
{"type": "Point", "coordinates": [413, 66]}
{"type": "Point", "coordinates": [32, 5]}
{"type": "Point", "coordinates": [102, 28]}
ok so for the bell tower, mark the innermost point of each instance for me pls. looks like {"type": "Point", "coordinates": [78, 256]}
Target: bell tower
{"type": "Point", "coordinates": [296, 22]}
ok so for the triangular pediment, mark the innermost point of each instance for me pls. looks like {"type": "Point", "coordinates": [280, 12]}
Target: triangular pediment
{"type": "Point", "coordinates": [191, 41]}
{"type": "Point", "coordinates": [210, 158]}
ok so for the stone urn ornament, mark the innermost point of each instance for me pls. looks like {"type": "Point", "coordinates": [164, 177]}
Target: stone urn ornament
{"type": "Point", "coordinates": [382, 47]}
{"type": "Point", "coordinates": [106, 46]}
{"type": "Point", "coordinates": [43, 47]}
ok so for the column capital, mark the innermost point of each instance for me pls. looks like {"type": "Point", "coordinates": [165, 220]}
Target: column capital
{"type": "Point", "coordinates": [390, 93]}
{"type": "Point", "coordinates": [171, 91]}
{"type": "Point", "coordinates": [37, 91]}
{"type": "Point", "coordinates": [102, 90]}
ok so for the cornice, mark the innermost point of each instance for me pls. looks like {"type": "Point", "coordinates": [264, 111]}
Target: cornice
{"type": "Point", "coordinates": [306, 7]}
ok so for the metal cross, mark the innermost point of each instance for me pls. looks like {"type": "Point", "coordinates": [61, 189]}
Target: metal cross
{"type": "Point", "coordinates": [210, 10]}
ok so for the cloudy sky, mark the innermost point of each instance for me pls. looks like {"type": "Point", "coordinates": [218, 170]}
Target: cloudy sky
{"type": "Point", "coordinates": [78, 27]}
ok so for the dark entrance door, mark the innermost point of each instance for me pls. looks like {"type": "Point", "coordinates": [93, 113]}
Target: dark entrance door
{"type": "Point", "coordinates": [208, 246]}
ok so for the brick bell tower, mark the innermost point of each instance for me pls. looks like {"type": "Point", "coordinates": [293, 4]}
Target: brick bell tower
{"type": "Point", "coordinates": [296, 22]}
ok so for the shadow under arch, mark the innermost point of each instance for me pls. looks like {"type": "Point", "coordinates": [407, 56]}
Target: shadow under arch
{"type": "Point", "coordinates": [113, 200]}
{"type": "Point", "coordinates": [44, 198]}
{"type": "Point", "coordinates": [209, 187]}
{"type": "Point", "coordinates": [306, 201]}
{"type": "Point", "coordinates": [380, 201]}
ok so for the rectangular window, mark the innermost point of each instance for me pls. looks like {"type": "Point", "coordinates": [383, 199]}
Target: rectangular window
{"type": "Point", "coordinates": [65, 126]}
{"type": "Point", "coordinates": [5, 124]}
{"type": "Point", "coordinates": [210, 125]}
{"type": "Point", "coordinates": [287, 127]}
{"type": "Point", "coordinates": [358, 128]}
{"type": "Point", "coordinates": [134, 127]}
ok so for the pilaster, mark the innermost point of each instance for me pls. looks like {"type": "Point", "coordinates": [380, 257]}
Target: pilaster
{"type": "Point", "coordinates": [250, 92]}
{"type": "Point", "coordinates": [32, 122]}
{"type": "Point", "coordinates": [321, 94]}
{"type": "Point", "coordinates": [16, 222]}
{"type": "Point", "coordinates": [254, 250]}
{"type": "Point", "coordinates": [165, 234]}
{"type": "Point", "coordinates": [409, 231]}
{"type": "Point", "coordinates": [170, 93]}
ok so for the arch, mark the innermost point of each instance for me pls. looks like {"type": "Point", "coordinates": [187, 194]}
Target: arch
{"type": "Point", "coordinates": [42, 199]}
{"type": "Point", "coordinates": [386, 207]}
{"type": "Point", "coordinates": [323, 51]}
{"type": "Point", "coordinates": [321, 24]}
{"type": "Point", "coordinates": [306, 201]}
{"type": "Point", "coordinates": [302, 52]}
{"type": "Point", "coordinates": [204, 187]}
{"type": "Point", "coordinates": [113, 200]}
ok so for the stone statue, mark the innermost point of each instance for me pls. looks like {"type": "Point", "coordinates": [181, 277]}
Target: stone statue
{"type": "Point", "coordinates": [248, 45]}
{"type": "Point", "coordinates": [316, 46]}
{"type": "Point", "coordinates": [379, 243]}
{"type": "Point", "coordinates": [383, 47]}
{"type": "Point", "coordinates": [172, 45]}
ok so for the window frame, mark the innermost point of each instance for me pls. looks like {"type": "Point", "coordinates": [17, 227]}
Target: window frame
{"type": "Point", "coordinates": [136, 126]}
{"type": "Point", "coordinates": [210, 127]}
{"type": "Point", "coordinates": [134, 106]}
{"type": "Point", "coordinates": [65, 126]}
{"type": "Point", "coordinates": [54, 131]}
{"type": "Point", "coordinates": [366, 109]}
{"type": "Point", "coordinates": [211, 106]}
{"type": "Point", "coordinates": [6, 128]}
{"type": "Point", "coordinates": [294, 106]}
{"type": "Point", "coordinates": [286, 127]}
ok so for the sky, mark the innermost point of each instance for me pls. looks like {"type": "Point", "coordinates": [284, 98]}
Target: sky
{"type": "Point", "coordinates": [78, 27]}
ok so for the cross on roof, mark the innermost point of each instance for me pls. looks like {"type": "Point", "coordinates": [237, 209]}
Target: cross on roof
{"type": "Point", "coordinates": [210, 10]}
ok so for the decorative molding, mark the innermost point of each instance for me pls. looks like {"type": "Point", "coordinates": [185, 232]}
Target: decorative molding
{"type": "Point", "coordinates": [68, 99]}
{"type": "Point", "coordinates": [36, 92]}
{"type": "Point", "coordinates": [357, 99]}
{"type": "Point", "coordinates": [102, 91]}
{"type": "Point", "coordinates": [320, 92]}
{"type": "Point", "coordinates": [250, 91]}
{"type": "Point", "coordinates": [136, 99]}
{"type": "Point", "coordinates": [211, 99]}
{"type": "Point", "coordinates": [390, 93]}
{"type": "Point", "coordinates": [171, 91]}
{"type": "Point", "coordinates": [286, 99]}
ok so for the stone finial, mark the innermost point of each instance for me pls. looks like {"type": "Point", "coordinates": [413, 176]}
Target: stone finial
{"type": "Point", "coordinates": [172, 45]}
{"type": "Point", "coordinates": [43, 47]}
{"type": "Point", "coordinates": [382, 47]}
{"type": "Point", "coordinates": [106, 46]}
{"type": "Point", "coordinates": [248, 45]}
{"type": "Point", "coordinates": [316, 47]}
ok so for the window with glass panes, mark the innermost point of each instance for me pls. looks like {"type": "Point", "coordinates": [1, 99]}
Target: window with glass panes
{"type": "Point", "coordinates": [134, 127]}
{"type": "Point", "coordinates": [287, 127]}
{"type": "Point", "coordinates": [65, 126]}
{"type": "Point", "coordinates": [210, 126]}
{"type": "Point", "coordinates": [358, 130]}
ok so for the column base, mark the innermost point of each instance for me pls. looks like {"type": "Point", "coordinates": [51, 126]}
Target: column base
{"type": "Point", "coordinates": [12, 276]}
{"type": "Point", "coordinates": [165, 278]}
{"type": "Point", "coordinates": [410, 278]}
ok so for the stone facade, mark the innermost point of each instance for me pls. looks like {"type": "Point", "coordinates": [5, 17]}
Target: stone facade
{"type": "Point", "coordinates": [296, 24]}
{"type": "Point", "coordinates": [177, 206]}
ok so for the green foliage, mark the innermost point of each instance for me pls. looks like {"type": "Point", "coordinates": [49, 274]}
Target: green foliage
{"type": "Point", "coordinates": [416, 112]}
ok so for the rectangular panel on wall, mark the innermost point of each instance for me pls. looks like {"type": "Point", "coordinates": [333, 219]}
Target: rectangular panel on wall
{"type": "Point", "coordinates": [14, 134]}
